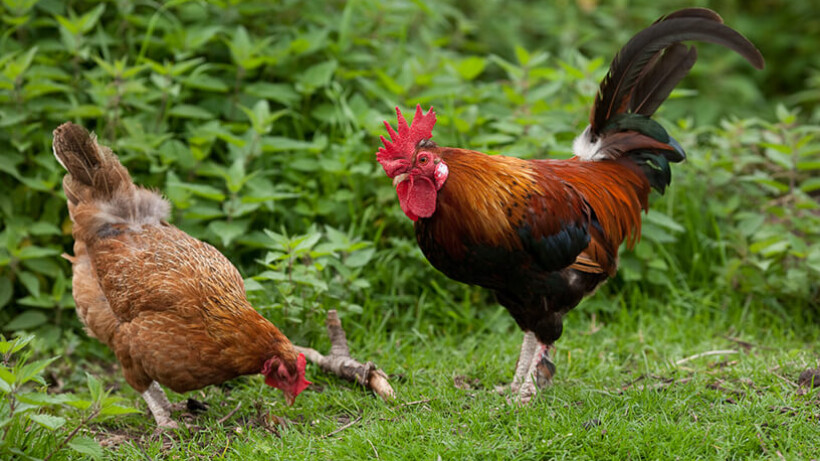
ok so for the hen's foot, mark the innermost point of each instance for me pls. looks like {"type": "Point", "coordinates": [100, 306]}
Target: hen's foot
{"type": "Point", "coordinates": [159, 406]}
{"type": "Point", "coordinates": [166, 423]}
{"type": "Point", "coordinates": [195, 406]}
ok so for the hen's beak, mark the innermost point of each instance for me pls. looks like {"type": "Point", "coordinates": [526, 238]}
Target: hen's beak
{"type": "Point", "coordinates": [399, 179]}
{"type": "Point", "coordinates": [289, 398]}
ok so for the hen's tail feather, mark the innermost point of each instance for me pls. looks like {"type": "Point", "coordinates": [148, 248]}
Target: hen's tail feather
{"type": "Point", "coordinates": [92, 168]}
{"type": "Point", "coordinates": [99, 189]}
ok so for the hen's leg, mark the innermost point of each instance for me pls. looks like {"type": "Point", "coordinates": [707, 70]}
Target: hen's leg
{"type": "Point", "coordinates": [539, 373]}
{"type": "Point", "coordinates": [528, 347]}
{"type": "Point", "coordinates": [160, 406]}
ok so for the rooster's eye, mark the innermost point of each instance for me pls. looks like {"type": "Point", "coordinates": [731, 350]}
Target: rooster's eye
{"type": "Point", "coordinates": [423, 159]}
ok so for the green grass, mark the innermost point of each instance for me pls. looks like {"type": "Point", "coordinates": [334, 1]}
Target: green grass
{"type": "Point", "coordinates": [618, 395]}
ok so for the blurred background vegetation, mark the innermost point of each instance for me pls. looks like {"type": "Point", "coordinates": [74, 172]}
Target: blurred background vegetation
{"type": "Point", "coordinates": [260, 120]}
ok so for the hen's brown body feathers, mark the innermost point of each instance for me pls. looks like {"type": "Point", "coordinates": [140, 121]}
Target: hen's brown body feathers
{"type": "Point", "coordinates": [172, 308]}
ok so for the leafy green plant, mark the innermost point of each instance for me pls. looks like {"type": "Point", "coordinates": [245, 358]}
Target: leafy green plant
{"type": "Point", "coordinates": [311, 273]}
{"type": "Point", "coordinates": [246, 124]}
{"type": "Point", "coordinates": [30, 420]}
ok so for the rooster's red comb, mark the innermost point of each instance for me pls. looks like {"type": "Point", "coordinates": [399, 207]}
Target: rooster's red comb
{"type": "Point", "coordinates": [404, 142]}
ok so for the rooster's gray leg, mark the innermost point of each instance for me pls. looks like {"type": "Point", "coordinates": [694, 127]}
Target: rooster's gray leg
{"type": "Point", "coordinates": [539, 373]}
{"type": "Point", "coordinates": [528, 347]}
{"type": "Point", "coordinates": [159, 405]}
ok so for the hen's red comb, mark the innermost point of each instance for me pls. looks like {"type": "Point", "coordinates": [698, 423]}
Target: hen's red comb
{"type": "Point", "coordinates": [404, 142]}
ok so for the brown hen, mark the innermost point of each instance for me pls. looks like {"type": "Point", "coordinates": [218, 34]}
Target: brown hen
{"type": "Point", "coordinates": [172, 308]}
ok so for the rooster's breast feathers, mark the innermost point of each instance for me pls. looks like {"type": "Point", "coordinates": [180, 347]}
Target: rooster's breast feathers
{"type": "Point", "coordinates": [496, 211]}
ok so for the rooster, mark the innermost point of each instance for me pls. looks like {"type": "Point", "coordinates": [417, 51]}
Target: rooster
{"type": "Point", "coordinates": [172, 308]}
{"type": "Point", "coordinates": [543, 234]}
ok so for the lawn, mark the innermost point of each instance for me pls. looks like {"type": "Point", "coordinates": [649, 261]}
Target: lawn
{"type": "Point", "coordinates": [630, 386]}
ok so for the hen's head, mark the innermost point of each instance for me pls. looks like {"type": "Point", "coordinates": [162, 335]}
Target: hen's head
{"type": "Point", "coordinates": [289, 377]}
{"type": "Point", "coordinates": [411, 159]}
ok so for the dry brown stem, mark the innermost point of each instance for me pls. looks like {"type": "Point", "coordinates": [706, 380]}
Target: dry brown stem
{"type": "Point", "coordinates": [342, 365]}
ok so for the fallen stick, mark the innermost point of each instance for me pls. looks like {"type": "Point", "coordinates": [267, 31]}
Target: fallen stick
{"type": "Point", "coordinates": [415, 402]}
{"type": "Point", "coordinates": [705, 354]}
{"type": "Point", "coordinates": [351, 423]}
{"type": "Point", "coordinates": [339, 362]}
{"type": "Point", "coordinates": [231, 413]}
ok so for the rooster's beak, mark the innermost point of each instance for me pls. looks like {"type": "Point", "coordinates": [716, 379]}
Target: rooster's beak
{"type": "Point", "coordinates": [399, 179]}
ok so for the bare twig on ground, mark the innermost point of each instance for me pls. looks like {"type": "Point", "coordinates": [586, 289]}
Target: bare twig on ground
{"type": "Point", "coordinates": [334, 432]}
{"type": "Point", "coordinates": [746, 345]}
{"type": "Point", "coordinates": [665, 382]}
{"type": "Point", "coordinates": [342, 365]}
{"type": "Point", "coordinates": [718, 386]}
{"type": "Point", "coordinates": [706, 354]}
{"type": "Point", "coordinates": [374, 448]}
{"type": "Point", "coordinates": [784, 379]}
{"type": "Point", "coordinates": [231, 413]}
{"type": "Point", "coordinates": [415, 402]}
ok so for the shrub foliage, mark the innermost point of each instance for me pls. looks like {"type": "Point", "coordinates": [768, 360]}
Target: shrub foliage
{"type": "Point", "coordinates": [259, 121]}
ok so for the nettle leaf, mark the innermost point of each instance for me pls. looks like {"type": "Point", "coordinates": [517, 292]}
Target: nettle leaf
{"type": "Point", "coordinates": [6, 290]}
{"type": "Point", "coordinates": [30, 371]}
{"type": "Point", "coordinates": [117, 410]}
{"type": "Point", "coordinates": [657, 234]}
{"type": "Point", "coordinates": [47, 421]}
{"type": "Point", "coordinates": [19, 7]}
{"type": "Point", "coordinates": [85, 111]}
{"type": "Point", "coordinates": [472, 67]}
{"type": "Point", "coordinates": [279, 143]}
{"type": "Point", "coordinates": [245, 52]}
{"type": "Point", "coordinates": [190, 111]}
{"type": "Point", "coordinates": [16, 67]}
{"type": "Point", "coordinates": [360, 258]}
{"type": "Point", "coordinates": [205, 82]}
{"type": "Point", "coordinates": [513, 71]}
{"type": "Point", "coordinates": [241, 47]}
{"type": "Point", "coordinates": [19, 343]}
{"type": "Point", "coordinates": [94, 387]}
{"type": "Point", "coordinates": [6, 380]}
{"type": "Point", "coordinates": [82, 24]}
{"type": "Point", "coordinates": [315, 77]}
{"type": "Point", "coordinates": [86, 446]}
{"type": "Point", "coordinates": [43, 399]}
{"type": "Point", "coordinates": [390, 83]}
{"type": "Point", "coordinates": [810, 185]}
{"type": "Point", "coordinates": [199, 35]}
{"type": "Point", "coordinates": [31, 252]}
{"type": "Point", "coordinates": [663, 220]}
{"type": "Point", "coordinates": [202, 190]}
{"type": "Point", "coordinates": [228, 231]}
{"type": "Point", "coordinates": [31, 282]}
{"type": "Point", "coordinates": [182, 68]}
{"type": "Point", "coordinates": [26, 320]}
{"type": "Point", "coordinates": [111, 407]}
{"type": "Point", "coordinates": [43, 228]}
{"type": "Point", "coordinates": [282, 93]}
{"type": "Point", "coordinates": [80, 404]}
